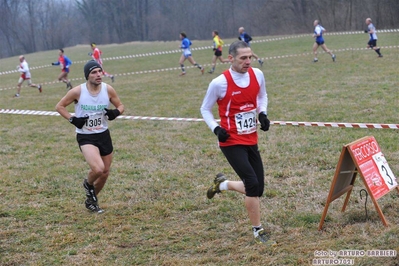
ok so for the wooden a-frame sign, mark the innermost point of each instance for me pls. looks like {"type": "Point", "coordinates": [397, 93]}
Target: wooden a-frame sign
{"type": "Point", "coordinates": [362, 156]}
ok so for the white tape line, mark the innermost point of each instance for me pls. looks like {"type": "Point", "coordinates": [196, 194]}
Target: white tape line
{"type": "Point", "coordinates": [180, 119]}
{"type": "Point", "coordinates": [188, 67]}
{"type": "Point", "coordinates": [335, 124]}
{"type": "Point", "coordinates": [207, 47]}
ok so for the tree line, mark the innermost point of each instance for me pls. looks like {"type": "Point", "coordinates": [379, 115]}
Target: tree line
{"type": "Point", "coordinates": [28, 26]}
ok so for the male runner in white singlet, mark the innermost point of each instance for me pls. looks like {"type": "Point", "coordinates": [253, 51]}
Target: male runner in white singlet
{"type": "Point", "coordinates": [91, 118]}
{"type": "Point", "coordinates": [23, 68]}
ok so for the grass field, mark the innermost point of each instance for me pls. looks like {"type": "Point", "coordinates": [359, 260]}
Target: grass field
{"type": "Point", "coordinates": [156, 211]}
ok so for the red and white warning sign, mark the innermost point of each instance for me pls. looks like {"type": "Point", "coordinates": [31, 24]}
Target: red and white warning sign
{"type": "Point", "coordinates": [374, 167]}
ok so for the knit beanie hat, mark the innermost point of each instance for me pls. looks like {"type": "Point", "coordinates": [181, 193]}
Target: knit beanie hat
{"type": "Point", "coordinates": [92, 64]}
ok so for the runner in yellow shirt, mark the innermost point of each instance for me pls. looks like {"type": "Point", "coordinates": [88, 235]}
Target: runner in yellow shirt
{"type": "Point", "coordinates": [217, 48]}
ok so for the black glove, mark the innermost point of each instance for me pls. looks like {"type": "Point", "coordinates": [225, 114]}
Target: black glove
{"type": "Point", "coordinates": [239, 38]}
{"type": "Point", "coordinates": [90, 54]}
{"type": "Point", "coordinates": [52, 64]}
{"type": "Point", "coordinates": [366, 31]}
{"type": "Point", "coordinates": [221, 133]}
{"type": "Point", "coordinates": [112, 113]}
{"type": "Point", "coordinates": [79, 122]}
{"type": "Point", "coordinates": [264, 122]}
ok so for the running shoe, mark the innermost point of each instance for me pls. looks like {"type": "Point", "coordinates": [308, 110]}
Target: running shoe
{"type": "Point", "coordinates": [93, 206]}
{"type": "Point", "coordinates": [214, 189]}
{"type": "Point", "coordinates": [182, 74]}
{"type": "Point", "coordinates": [262, 237]}
{"type": "Point", "coordinates": [90, 192]}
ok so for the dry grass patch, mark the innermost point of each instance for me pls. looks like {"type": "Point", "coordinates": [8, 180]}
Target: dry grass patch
{"type": "Point", "coordinates": [156, 209]}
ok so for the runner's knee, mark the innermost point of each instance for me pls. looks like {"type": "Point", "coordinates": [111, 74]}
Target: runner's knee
{"type": "Point", "coordinates": [253, 188]}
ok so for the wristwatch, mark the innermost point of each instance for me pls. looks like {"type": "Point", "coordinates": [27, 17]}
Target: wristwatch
{"type": "Point", "coordinates": [71, 119]}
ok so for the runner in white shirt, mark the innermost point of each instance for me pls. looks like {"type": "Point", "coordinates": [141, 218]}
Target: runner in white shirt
{"type": "Point", "coordinates": [373, 37]}
{"type": "Point", "coordinates": [23, 67]}
{"type": "Point", "coordinates": [92, 113]}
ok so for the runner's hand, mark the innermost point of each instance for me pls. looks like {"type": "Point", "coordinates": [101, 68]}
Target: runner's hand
{"type": "Point", "coordinates": [112, 113]}
{"type": "Point", "coordinates": [264, 122]}
{"type": "Point", "coordinates": [221, 133]}
{"type": "Point", "coordinates": [79, 122]}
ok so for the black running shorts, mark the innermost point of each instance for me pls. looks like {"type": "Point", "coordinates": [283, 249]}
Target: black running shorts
{"type": "Point", "coordinates": [102, 141]}
{"type": "Point", "coordinates": [247, 163]}
{"type": "Point", "coordinates": [218, 53]}
{"type": "Point", "coordinates": [372, 43]}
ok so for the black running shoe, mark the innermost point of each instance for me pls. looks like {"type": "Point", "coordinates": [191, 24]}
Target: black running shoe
{"type": "Point", "coordinates": [93, 206]}
{"type": "Point", "coordinates": [90, 192]}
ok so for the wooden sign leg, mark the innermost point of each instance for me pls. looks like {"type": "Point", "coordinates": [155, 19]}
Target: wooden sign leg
{"type": "Point", "coordinates": [379, 211]}
{"type": "Point", "coordinates": [349, 192]}
{"type": "Point", "coordinates": [323, 216]}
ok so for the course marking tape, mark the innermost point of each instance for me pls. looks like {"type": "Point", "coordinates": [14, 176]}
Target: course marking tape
{"type": "Point", "coordinates": [335, 124]}
{"type": "Point", "coordinates": [205, 65]}
{"type": "Point", "coordinates": [208, 47]}
{"type": "Point", "coordinates": [281, 123]}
